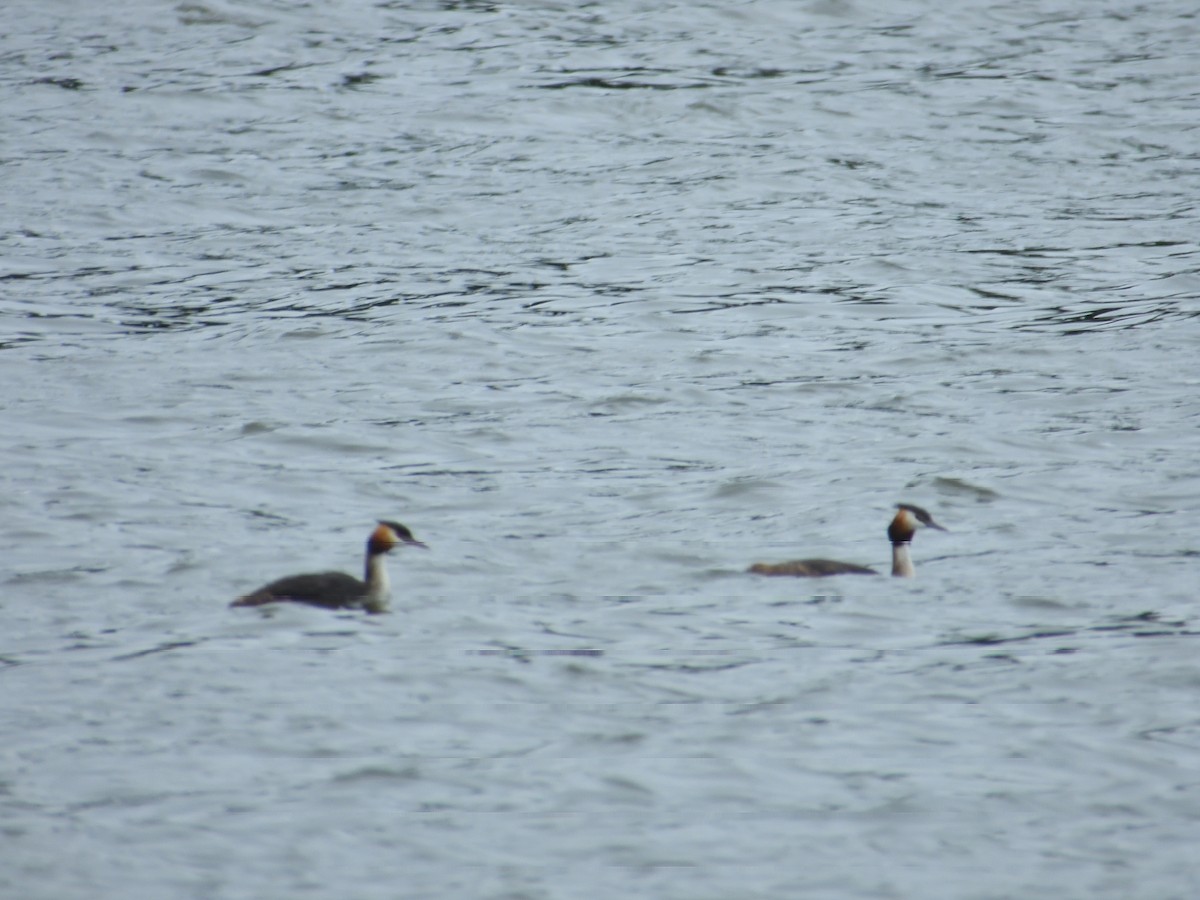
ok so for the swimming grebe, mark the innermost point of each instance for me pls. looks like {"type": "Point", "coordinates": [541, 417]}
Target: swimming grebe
{"type": "Point", "coordinates": [335, 590]}
{"type": "Point", "coordinates": [900, 533]}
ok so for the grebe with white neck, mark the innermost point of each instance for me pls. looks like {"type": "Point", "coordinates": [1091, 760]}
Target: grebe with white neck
{"type": "Point", "coordinates": [900, 532]}
{"type": "Point", "coordinates": [336, 590]}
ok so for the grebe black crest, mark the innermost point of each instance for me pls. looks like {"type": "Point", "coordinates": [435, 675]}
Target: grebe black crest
{"type": "Point", "coordinates": [900, 532]}
{"type": "Point", "coordinates": [336, 590]}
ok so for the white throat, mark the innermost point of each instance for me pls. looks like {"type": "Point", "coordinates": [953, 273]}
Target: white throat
{"type": "Point", "coordinates": [379, 588]}
{"type": "Point", "coordinates": [902, 566]}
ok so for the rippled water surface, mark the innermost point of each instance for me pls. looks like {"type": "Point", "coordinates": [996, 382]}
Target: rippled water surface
{"type": "Point", "coordinates": [605, 301]}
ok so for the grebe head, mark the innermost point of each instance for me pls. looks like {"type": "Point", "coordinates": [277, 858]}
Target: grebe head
{"type": "Point", "coordinates": [391, 534]}
{"type": "Point", "coordinates": [904, 524]}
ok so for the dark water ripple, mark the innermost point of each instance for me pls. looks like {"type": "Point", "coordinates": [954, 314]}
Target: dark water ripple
{"type": "Point", "coordinates": [606, 302]}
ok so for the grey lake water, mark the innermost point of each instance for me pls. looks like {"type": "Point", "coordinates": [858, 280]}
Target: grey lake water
{"type": "Point", "coordinates": [605, 301]}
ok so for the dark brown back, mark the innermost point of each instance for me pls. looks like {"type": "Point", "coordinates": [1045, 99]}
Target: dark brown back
{"type": "Point", "coordinates": [334, 590]}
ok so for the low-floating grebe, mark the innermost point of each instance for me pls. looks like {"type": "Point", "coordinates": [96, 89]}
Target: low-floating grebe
{"type": "Point", "coordinates": [900, 533]}
{"type": "Point", "coordinates": [336, 590]}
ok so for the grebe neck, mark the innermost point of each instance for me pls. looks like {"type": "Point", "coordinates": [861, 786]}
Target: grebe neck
{"type": "Point", "coordinates": [378, 585]}
{"type": "Point", "coordinates": [902, 565]}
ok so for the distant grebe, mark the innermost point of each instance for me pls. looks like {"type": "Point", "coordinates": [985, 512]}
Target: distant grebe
{"type": "Point", "coordinates": [900, 533]}
{"type": "Point", "coordinates": [335, 590]}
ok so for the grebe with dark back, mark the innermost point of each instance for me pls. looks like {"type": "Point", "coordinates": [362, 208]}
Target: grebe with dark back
{"type": "Point", "coordinates": [336, 590]}
{"type": "Point", "coordinates": [900, 532]}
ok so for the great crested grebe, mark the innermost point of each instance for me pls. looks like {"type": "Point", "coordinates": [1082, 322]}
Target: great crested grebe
{"type": "Point", "coordinates": [900, 533]}
{"type": "Point", "coordinates": [335, 590]}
